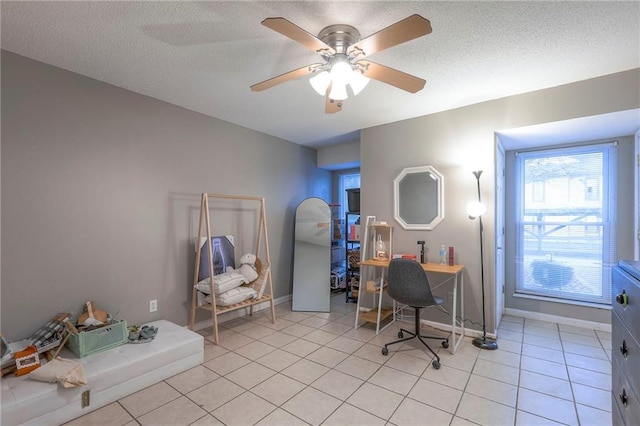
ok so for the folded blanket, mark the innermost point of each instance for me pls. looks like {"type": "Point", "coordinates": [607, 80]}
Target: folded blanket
{"type": "Point", "coordinates": [221, 283]}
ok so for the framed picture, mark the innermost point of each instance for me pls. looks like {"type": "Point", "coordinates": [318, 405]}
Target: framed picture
{"type": "Point", "coordinates": [223, 255]}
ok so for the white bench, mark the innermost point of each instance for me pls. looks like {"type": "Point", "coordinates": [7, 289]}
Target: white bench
{"type": "Point", "coordinates": [111, 375]}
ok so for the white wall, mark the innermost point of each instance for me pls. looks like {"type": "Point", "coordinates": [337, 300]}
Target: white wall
{"type": "Point", "coordinates": [458, 141]}
{"type": "Point", "coordinates": [101, 193]}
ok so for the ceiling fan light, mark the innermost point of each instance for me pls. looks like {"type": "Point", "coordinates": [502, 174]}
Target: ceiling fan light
{"type": "Point", "coordinates": [320, 82]}
{"type": "Point", "coordinates": [358, 82]}
{"type": "Point", "coordinates": [338, 91]}
{"type": "Point", "coordinates": [341, 72]}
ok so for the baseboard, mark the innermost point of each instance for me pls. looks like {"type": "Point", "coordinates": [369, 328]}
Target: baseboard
{"type": "Point", "coordinates": [592, 325]}
{"type": "Point", "coordinates": [468, 332]}
{"type": "Point", "coordinates": [240, 313]}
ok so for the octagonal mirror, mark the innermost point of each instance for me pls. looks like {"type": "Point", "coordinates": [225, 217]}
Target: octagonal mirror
{"type": "Point", "coordinates": [418, 198]}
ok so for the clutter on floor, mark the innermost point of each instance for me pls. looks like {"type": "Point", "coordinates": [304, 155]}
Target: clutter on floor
{"type": "Point", "coordinates": [56, 394]}
{"type": "Point", "coordinates": [142, 334]}
{"type": "Point", "coordinates": [69, 368]}
{"type": "Point", "coordinates": [67, 372]}
{"type": "Point", "coordinates": [45, 340]}
{"type": "Point", "coordinates": [94, 330]}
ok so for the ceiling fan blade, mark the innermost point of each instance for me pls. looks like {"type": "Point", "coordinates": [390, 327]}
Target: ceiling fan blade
{"type": "Point", "coordinates": [283, 78]}
{"type": "Point", "coordinates": [332, 106]}
{"type": "Point", "coordinates": [391, 76]}
{"type": "Point", "coordinates": [409, 28]}
{"type": "Point", "coordinates": [294, 32]}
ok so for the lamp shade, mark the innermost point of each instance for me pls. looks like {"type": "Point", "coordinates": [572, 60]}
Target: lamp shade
{"type": "Point", "coordinates": [338, 91]}
{"type": "Point", "coordinates": [320, 82]}
{"type": "Point", "coordinates": [475, 209]}
{"type": "Point", "coordinates": [341, 72]}
{"type": "Point", "coordinates": [337, 78]}
{"type": "Point", "coordinates": [358, 82]}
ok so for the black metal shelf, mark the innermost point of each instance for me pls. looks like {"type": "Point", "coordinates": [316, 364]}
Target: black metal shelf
{"type": "Point", "coordinates": [352, 271]}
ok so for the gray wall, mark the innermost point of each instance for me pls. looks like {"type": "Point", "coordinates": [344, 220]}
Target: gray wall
{"type": "Point", "coordinates": [459, 141]}
{"type": "Point", "coordinates": [101, 192]}
{"type": "Point", "coordinates": [342, 156]}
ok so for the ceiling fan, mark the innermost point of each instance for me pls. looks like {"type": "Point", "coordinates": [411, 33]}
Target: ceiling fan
{"type": "Point", "coordinates": [343, 52]}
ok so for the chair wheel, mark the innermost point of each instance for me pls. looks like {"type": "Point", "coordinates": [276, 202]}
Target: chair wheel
{"type": "Point", "coordinates": [400, 334]}
{"type": "Point", "coordinates": [385, 351]}
{"type": "Point", "coordinates": [445, 344]}
{"type": "Point", "coordinates": [436, 364]}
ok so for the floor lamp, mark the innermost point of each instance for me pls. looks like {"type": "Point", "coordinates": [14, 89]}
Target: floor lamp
{"type": "Point", "coordinates": [476, 210]}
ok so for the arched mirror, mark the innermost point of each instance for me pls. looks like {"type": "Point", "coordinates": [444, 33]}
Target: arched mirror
{"type": "Point", "coordinates": [418, 197]}
{"type": "Point", "coordinates": [312, 257]}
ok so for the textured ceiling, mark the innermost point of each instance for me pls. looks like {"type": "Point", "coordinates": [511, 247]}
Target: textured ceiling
{"type": "Point", "coordinates": [203, 56]}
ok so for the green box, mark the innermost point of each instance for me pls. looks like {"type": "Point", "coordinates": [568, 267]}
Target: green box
{"type": "Point", "coordinates": [100, 339]}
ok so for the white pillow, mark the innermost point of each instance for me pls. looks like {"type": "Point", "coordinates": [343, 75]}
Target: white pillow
{"type": "Point", "coordinates": [221, 282]}
{"type": "Point", "coordinates": [235, 295]}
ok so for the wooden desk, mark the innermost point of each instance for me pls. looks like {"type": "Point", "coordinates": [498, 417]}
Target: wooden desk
{"type": "Point", "coordinates": [377, 315]}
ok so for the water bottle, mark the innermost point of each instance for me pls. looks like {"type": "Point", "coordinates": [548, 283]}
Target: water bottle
{"type": "Point", "coordinates": [443, 255]}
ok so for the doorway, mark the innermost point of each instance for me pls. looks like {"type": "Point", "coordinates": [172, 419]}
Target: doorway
{"type": "Point", "coordinates": [499, 232]}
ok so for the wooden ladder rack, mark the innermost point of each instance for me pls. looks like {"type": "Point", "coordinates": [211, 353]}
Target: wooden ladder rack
{"type": "Point", "coordinates": [262, 242]}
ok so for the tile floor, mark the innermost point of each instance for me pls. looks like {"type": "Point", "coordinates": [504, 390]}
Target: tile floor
{"type": "Point", "coordinates": [315, 369]}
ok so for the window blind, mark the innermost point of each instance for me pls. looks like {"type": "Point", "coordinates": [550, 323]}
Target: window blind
{"type": "Point", "coordinates": [565, 222]}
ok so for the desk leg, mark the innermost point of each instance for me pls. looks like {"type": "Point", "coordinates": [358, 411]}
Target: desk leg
{"type": "Point", "coordinates": [358, 308]}
{"type": "Point", "coordinates": [454, 322]}
{"type": "Point", "coordinates": [462, 304]}
{"type": "Point", "coordinates": [379, 319]}
{"type": "Point", "coordinates": [379, 303]}
{"type": "Point", "coordinates": [458, 282]}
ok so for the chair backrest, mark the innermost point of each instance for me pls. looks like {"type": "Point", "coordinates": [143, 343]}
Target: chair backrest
{"type": "Point", "coordinates": [408, 283]}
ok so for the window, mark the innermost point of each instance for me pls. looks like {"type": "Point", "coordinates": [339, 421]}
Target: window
{"type": "Point", "coordinates": [538, 190]}
{"type": "Point", "coordinates": [592, 190]}
{"type": "Point", "coordinates": [565, 223]}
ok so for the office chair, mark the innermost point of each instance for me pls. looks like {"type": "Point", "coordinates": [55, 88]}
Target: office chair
{"type": "Point", "coordinates": [409, 285]}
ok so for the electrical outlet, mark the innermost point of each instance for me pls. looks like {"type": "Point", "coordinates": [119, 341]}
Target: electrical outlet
{"type": "Point", "coordinates": [153, 305]}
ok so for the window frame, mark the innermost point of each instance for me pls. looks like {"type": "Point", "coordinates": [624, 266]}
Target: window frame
{"type": "Point", "coordinates": [607, 196]}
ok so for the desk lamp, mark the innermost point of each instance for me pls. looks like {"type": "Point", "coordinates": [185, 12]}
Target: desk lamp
{"type": "Point", "coordinates": [476, 210]}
